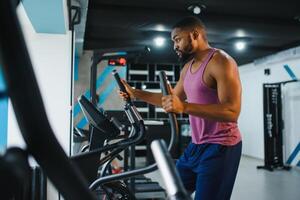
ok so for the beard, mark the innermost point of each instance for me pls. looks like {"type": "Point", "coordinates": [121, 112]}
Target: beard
{"type": "Point", "coordinates": [185, 57]}
{"type": "Point", "coordinates": [186, 54]}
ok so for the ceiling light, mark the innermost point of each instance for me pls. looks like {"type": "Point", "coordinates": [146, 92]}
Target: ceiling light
{"type": "Point", "coordinates": [240, 33]}
{"type": "Point", "coordinates": [159, 41]}
{"type": "Point", "coordinates": [240, 45]}
{"type": "Point", "coordinates": [196, 9]}
{"type": "Point", "coordinates": [160, 27]}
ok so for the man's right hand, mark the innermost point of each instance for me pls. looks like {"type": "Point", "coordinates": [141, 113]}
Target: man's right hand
{"type": "Point", "coordinates": [129, 90]}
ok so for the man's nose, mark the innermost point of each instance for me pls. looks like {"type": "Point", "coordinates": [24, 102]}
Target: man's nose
{"type": "Point", "coordinates": [175, 47]}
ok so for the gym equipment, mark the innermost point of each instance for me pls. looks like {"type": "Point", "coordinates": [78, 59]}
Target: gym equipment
{"type": "Point", "coordinates": [15, 174]}
{"type": "Point", "coordinates": [105, 129]}
{"type": "Point", "coordinates": [101, 128]}
{"type": "Point", "coordinates": [96, 120]}
{"type": "Point", "coordinates": [89, 162]}
{"type": "Point", "coordinates": [174, 136]}
{"type": "Point", "coordinates": [273, 127]}
{"type": "Point", "coordinates": [173, 183]}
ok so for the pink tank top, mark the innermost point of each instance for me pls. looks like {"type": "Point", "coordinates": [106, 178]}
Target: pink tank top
{"type": "Point", "coordinates": [205, 130]}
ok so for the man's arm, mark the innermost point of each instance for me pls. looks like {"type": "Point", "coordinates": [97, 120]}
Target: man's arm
{"type": "Point", "coordinates": [149, 97]}
{"type": "Point", "coordinates": [155, 98]}
{"type": "Point", "coordinates": [225, 73]}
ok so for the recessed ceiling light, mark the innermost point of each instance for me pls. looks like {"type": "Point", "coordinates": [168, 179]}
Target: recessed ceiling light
{"type": "Point", "coordinates": [159, 41]}
{"type": "Point", "coordinates": [240, 45]}
{"type": "Point", "coordinates": [196, 8]}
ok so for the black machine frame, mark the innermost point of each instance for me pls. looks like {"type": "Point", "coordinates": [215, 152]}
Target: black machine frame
{"type": "Point", "coordinates": [273, 126]}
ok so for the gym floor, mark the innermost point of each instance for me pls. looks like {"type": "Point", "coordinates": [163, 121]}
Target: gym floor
{"type": "Point", "coordinates": [260, 184]}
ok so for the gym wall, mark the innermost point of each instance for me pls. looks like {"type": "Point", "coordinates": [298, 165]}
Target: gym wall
{"type": "Point", "coordinates": [281, 66]}
{"type": "Point", "coordinates": [106, 85]}
{"type": "Point", "coordinates": [82, 86]}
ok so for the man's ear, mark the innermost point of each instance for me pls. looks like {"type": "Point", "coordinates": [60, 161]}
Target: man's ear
{"type": "Point", "coordinates": [195, 34]}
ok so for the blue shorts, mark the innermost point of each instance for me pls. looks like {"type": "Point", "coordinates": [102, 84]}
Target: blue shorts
{"type": "Point", "coordinates": [210, 169]}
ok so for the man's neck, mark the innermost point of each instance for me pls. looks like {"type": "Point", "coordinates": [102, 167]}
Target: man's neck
{"type": "Point", "coordinates": [202, 51]}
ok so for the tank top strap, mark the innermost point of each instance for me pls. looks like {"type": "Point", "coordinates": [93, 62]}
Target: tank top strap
{"type": "Point", "coordinates": [188, 72]}
{"type": "Point", "coordinates": [206, 61]}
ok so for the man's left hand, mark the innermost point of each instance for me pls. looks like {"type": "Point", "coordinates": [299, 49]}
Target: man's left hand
{"type": "Point", "coordinates": [172, 103]}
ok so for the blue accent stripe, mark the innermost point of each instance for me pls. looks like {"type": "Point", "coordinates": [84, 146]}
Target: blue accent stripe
{"type": "Point", "coordinates": [82, 123]}
{"type": "Point", "coordinates": [3, 115]}
{"type": "Point", "coordinates": [76, 63]}
{"type": "Point", "coordinates": [297, 149]}
{"type": "Point", "coordinates": [118, 53]}
{"type": "Point", "coordinates": [87, 94]}
{"type": "Point", "coordinates": [46, 16]}
{"type": "Point", "coordinates": [3, 123]}
{"type": "Point", "coordinates": [290, 72]}
{"type": "Point", "coordinates": [76, 109]}
{"type": "Point", "coordinates": [294, 154]}
{"type": "Point", "coordinates": [105, 73]}
{"type": "Point", "coordinates": [101, 78]}
{"type": "Point", "coordinates": [106, 92]}
{"type": "Point", "coordinates": [121, 53]}
{"type": "Point", "coordinates": [110, 87]}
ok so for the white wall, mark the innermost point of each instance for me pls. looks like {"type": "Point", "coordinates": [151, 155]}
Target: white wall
{"type": "Point", "coordinates": [291, 110]}
{"type": "Point", "coordinates": [252, 77]}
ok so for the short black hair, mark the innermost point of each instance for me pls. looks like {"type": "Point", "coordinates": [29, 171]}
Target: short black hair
{"type": "Point", "coordinates": [190, 22]}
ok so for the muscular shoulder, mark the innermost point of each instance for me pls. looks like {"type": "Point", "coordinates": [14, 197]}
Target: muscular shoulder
{"type": "Point", "coordinates": [222, 63]}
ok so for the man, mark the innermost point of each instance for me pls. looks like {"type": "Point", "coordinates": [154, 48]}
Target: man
{"type": "Point", "coordinates": [209, 90]}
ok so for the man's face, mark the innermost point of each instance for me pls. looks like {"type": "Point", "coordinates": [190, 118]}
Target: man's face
{"type": "Point", "coordinates": [182, 44]}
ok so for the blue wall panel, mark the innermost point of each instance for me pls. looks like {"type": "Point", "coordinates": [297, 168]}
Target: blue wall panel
{"type": "Point", "coordinates": [3, 116]}
{"type": "Point", "coordinates": [46, 16]}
